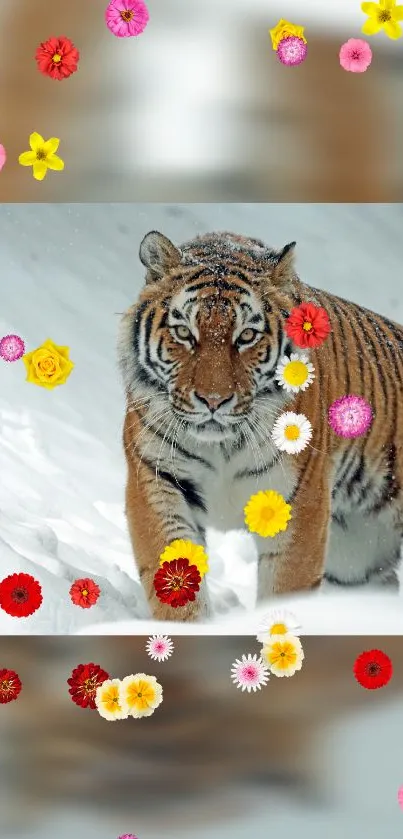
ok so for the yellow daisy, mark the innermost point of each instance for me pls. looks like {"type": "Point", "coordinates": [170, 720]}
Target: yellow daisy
{"type": "Point", "coordinates": [42, 156]}
{"type": "Point", "coordinates": [383, 15]}
{"type": "Point", "coordinates": [109, 702]}
{"type": "Point", "coordinates": [283, 654]}
{"type": "Point", "coordinates": [183, 549]}
{"type": "Point", "coordinates": [267, 513]}
{"type": "Point", "coordinates": [283, 30]}
{"type": "Point", "coordinates": [141, 694]}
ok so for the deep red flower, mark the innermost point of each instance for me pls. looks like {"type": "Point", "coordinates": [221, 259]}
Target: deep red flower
{"type": "Point", "coordinates": [10, 686]}
{"type": "Point", "coordinates": [20, 595]}
{"type": "Point", "coordinates": [57, 58]}
{"type": "Point", "coordinates": [373, 669]}
{"type": "Point", "coordinates": [84, 681]}
{"type": "Point", "coordinates": [177, 582]}
{"type": "Point", "coordinates": [308, 325]}
{"type": "Point", "coordinates": [84, 593]}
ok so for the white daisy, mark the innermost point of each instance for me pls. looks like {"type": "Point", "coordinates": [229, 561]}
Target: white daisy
{"type": "Point", "coordinates": [159, 647]}
{"type": "Point", "coordinates": [295, 372]}
{"type": "Point", "coordinates": [250, 673]}
{"type": "Point", "coordinates": [291, 432]}
{"type": "Point", "coordinates": [278, 622]}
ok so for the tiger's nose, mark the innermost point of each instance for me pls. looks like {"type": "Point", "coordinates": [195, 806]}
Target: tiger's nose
{"type": "Point", "coordinates": [213, 400]}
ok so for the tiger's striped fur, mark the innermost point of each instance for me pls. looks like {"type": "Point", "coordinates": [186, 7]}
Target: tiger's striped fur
{"type": "Point", "coordinates": [186, 472]}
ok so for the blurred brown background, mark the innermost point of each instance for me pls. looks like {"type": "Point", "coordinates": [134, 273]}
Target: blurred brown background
{"type": "Point", "coordinates": [198, 108]}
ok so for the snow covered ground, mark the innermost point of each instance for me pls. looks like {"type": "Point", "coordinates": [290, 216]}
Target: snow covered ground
{"type": "Point", "coordinates": [67, 271]}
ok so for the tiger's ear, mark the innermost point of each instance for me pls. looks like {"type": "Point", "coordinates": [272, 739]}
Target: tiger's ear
{"type": "Point", "coordinates": [283, 269]}
{"type": "Point", "coordinates": [159, 255]}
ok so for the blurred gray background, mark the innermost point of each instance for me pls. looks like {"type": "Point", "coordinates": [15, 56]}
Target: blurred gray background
{"type": "Point", "coordinates": [198, 108]}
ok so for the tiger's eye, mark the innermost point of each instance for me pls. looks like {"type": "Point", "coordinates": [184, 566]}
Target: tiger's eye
{"type": "Point", "coordinates": [247, 336]}
{"type": "Point", "coordinates": [183, 332]}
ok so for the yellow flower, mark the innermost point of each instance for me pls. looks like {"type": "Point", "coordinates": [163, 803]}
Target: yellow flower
{"type": "Point", "coordinates": [266, 513]}
{"type": "Point", "coordinates": [283, 654]}
{"type": "Point", "coordinates": [283, 30]}
{"type": "Point", "coordinates": [48, 366]}
{"type": "Point", "coordinates": [140, 694]}
{"type": "Point", "coordinates": [181, 549]}
{"type": "Point", "coordinates": [383, 15]}
{"type": "Point", "coordinates": [42, 156]}
{"type": "Point", "coordinates": [108, 701]}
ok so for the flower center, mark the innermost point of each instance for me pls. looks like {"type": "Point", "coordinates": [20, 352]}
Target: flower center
{"type": "Point", "coordinates": [90, 685]}
{"type": "Point", "coordinates": [127, 15]}
{"type": "Point", "coordinates": [307, 326]}
{"type": "Point", "coordinates": [291, 432]}
{"type": "Point", "coordinates": [40, 154]}
{"type": "Point", "coordinates": [56, 58]}
{"type": "Point", "coordinates": [373, 669]}
{"type": "Point", "coordinates": [84, 592]}
{"type": "Point", "coordinates": [5, 686]}
{"type": "Point", "coordinates": [20, 595]}
{"type": "Point", "coordinates": [355, 55]}
{"type": "Point", "coordinates": [177, 583]}
{"type": "Point", "coordinates": [296, 373]}
{"type": "Point", "coordinates": [278, 629]}
{"type": "Point", "coordinates": [139, 695]}
{"type": "Point", "coordinates": [282, 654]}
{"type": "Point", "coordinates": [267, 513]}
{"type": "Point", "coordinates": [250, 673]}
{"type": "Point", "coordinates": [384, 16]}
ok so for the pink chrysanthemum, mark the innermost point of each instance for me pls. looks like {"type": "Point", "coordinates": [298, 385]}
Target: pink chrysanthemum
{"type": "Point", "coordinates": [12, 347]}
{"type": "Point", "coordinates": [292, 51]}
{"type": "Point", "coordinates": [126, 18]}
{"type": "Point", "coordinates": [3, 156]}
{"type": "Point", "coordinates": [159, 647]}
{"type": "Point", "coordinates": [350, 416]}
{"type": "Point", "coordinates": [355, 55]}
{"type": "Point", "coordinates": [250, 673]}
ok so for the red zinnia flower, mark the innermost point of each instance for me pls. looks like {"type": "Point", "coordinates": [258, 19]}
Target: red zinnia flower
{"type": "Point", "coordinates": [84, 593]}
{"type": "Point", "coordinates": [10, 686]}
{"type": "Point", "coordinates": [373, 669]}
{"type": "Point", "coordinates": [308, 325]}
{"type": "Point", "coordinates": [57, 58]}
{"type": "Point", "coordinates": [20, 595]}
{"type": "Point", "coordinates": [177, 582]}
{"type": "Point", "coordinates": [84, 681]}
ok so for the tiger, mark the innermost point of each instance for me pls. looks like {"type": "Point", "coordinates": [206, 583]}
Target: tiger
{"type": "Point", "coordinates": [198, 353]}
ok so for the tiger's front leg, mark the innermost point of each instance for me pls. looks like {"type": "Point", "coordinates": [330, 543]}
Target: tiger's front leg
{"type": "Point", "coordinates": [295, 561]}
{"type": "Point", "coordinates": [157, 513]}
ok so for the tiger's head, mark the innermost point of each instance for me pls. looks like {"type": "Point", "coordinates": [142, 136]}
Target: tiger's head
{"type": "Point", "coordinates": [202, 344]}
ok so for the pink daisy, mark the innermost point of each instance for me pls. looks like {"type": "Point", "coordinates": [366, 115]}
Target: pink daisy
{"type": "Point", "coordinates": [159, 647]}
{"type": "Point", "coordinates": [400, 797]}
{"type": "Point", "coordinates": [250, 673]}
{"type": "Point", "coordinates": [355, 55]}
{"type": "Point", "coordinates": [292, 51]}
{"type": "Point", "coordinates": [12, 347]}
{"type": "Point", "coordinates": [350, 416]}
{"type": "Point", "coordinates": [3, 156]}
{"type": "Point", "coordinates": [126, 18]}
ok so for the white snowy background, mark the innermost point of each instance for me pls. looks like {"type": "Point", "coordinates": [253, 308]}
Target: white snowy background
{"type": "Point", "coordinates": [67, 271]}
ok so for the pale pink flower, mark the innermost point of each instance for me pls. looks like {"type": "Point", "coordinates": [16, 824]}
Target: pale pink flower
{"type": "Point", "coordinates": [159, 647]}
{"type": "Point", "coordinates": [350, 416]}
{"type": "Point", "coordinates": [126, 18]}
{"type": "Point", "coordinates": [3, 156]}
{"type": "Point", "coordinates": [355, 55]}
{"type": "Point", "coordinates": [249, 673]}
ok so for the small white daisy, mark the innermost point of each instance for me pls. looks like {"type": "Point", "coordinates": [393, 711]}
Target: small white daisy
{"type": "Point", "coordinates": [278, 622]}
{"type": "Point", "coordinates": [159, 647]}
{"type": "Point", "coordinates": [295, 372]}
{"type": "Point", "coordinates": [292, 432]}
{"type": "Point", "coordinates": [250, 673]}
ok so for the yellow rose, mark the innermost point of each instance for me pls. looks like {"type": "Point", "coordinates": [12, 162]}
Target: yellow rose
{"type": "Point", "coordinates": [48, 366]}
{"type": "Point", "coordinates": [283, 30]}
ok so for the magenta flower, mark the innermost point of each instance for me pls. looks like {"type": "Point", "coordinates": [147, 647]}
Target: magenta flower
{"type": "Point", "coordinates": [3, 156]}
{"type": "Point", "coordinates": [126, 18]}
{"type": "Point", "coordinates": [292, 51]}
{"type": "Point", "coordinates": [12, 347]}
{"type": "Point", "coordinates": [355, 55]}
{"type": "Point", "coordinates": [350, 416]}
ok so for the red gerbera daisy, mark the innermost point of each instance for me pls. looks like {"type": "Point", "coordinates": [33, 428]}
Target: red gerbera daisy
{"type": "Point", "coordinates": [10, 686]}
{"type": "Point", "coordinates": [57, 58]}
{"type": "Point", "coordinates": [84, 681]}
{"type": "Point", "coordinates": [308, 325]}
{"type": "Point", "coordinates": [84, 593]}
{"type": "Point", "coordinates": [177, 582]}
{"type": "Point", "coordinates": [20, 595]}
{"type": "Point", "coordinates": [373, 669]}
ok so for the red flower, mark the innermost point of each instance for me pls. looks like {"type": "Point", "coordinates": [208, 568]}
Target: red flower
{"type": "Point", "coordinates": [10, 686]}
{"type": "Point", "coordinates": [57, 58]}
{"type": "Point", "coordinates": [20, 595]}
{"type": "Point", "coordinates": [85, 593]}
{"type": "Point", "coordinates": [177, 582]}
{"type": "Point", "coordinates": [84, 681]}
{"type": "Point", "coordinates": [308, 325]}
{"type": "Point", "coordinates": [373, 669]}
